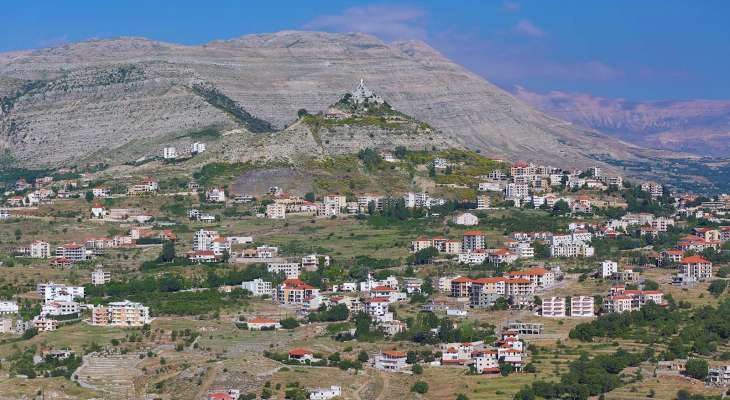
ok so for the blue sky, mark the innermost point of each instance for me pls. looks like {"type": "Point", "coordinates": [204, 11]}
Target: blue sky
{"type": "Point", "coordinates": [642, 50]}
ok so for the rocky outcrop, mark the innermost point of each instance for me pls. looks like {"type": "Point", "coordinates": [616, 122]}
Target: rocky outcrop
{"type": "Point", "coordinates": [86, 106]}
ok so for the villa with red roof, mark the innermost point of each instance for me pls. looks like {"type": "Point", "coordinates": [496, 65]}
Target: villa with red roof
{"type": "Point", "coordinates": [696, 267]}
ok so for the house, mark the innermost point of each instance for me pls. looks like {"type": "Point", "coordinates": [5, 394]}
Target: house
{"type": "Point", "coordinates": [325, 393]}
{"type": "Point", "coordinates": [215, 195]}
{"type": "Point", "coordinates": [261, 323]}
{"type": "Point", "coordinates": [121, 314]}
{"type": "Point", "coordinates": [301, 355]}
{"type": "Point", "coordinates": [391, 361]}
{"type": "Point", "coordinates": [582, 306]}
{"type": "Point", "coordinates": [553, 307]}
{"type": "Point", "coordinates": [97, 211]}
{"type": "Point", "coordinates": [696, 267]}
{"type": "Point", "coordinates": [467, 219]}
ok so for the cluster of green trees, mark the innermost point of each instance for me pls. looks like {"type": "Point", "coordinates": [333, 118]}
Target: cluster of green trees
{"type": "Point", "coordinates": [21, 363]}
{"type": "Point", "coordinates": [684, 331]}
{"type": "Point", "coordinates": [585, 377]}
{"type": "Point", "coordinates": [334, 313]}
{"type": "Point", "coordinates": [165, 295]}
{"type": "Point", "coordinates": [420, 330]}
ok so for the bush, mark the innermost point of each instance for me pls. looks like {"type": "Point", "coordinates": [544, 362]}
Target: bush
{"type": "Point", "coordinates": [417, 369]}
{"type": "Point", "coordinates": [717, 287]}
{"type": "Point", "coordinates": [420, 387]}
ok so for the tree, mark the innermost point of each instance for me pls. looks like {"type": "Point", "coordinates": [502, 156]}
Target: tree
{"type": "Point", "coordinates": [302, 112]}
{"type": "Point", "coordinates": [417, 369]}
{"type": "Point", "coordinates": [717, 287]}
{"type": "Point", "coordinates": [168, 251]}
{"type": "Point", "coordinates": [561, 207]}
{"type": "Point", "coordinates": [420, 387]}
{"type": "Point", "coordinates": [89, 196]}
{"type": "Point", "coordinates": [427, 287]}
{"type": "Point", "coordinates": [461, 396]}
{"type": "Point", "coordinates": [650, 285]}
{"type": "Point", "coordinates": [400, 152]}
{"type": "Point", "coordinates": [309, 196]}
{"type": "Point", "coordinates": [425, 256]}
{"type": "Point", "coordinates": [697, 368]}
{"type": "Point", "coordinates": [362, 356]}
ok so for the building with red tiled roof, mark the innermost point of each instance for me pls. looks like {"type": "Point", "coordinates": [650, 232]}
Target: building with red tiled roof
{"type": "Point", "coordinates": [696, 267]}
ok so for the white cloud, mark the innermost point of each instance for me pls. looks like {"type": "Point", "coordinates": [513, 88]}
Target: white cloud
{"type": "Point", "coordinates": [527, 28]}
{"type": "Point", "coordinates": [387, 22]}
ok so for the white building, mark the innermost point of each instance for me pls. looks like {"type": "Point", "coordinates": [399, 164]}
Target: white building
{"type": "Point", "coordinates": [483, 202]}
{"type": "Point", "coordinates": [290, 269]}
{"type": "Point", "coordinates": [100, 277]}
{"type": "Point", "coordinates": [276, 211]}
{"type": "Point", "coordinates": [392, 361]}
{"type": "Point", "coordinates": [608, 268]}
{"type": "Point", "coordinates": [215, 195]}
{"type": "Point", "coordinates": [203, 239]}
{"type": "Point", "coordinates": [59, 292]}
{"type": "Point", "coordinates": [8, 307]}
{"type": "Point", "coordinates": [467, 219]}
{"type": "Point", "coordinates": [169, 153]}
{"type": "Point", "coordinates": [39, 249]}
{"type": "Point", "coordinates": [197, 148]}
{"type": "Point", "coordinates": [325, 393]}
{"type": "Point", "coordinates": [553, 307]}
{"type": "Point", "coordinates": [258, 287]}
{"type": "Point", "coordinates": [516, 190]}
{"type": "Point", "coordinates": [582, 306]}
{"type": "Point", "coordinates": [57, 308]}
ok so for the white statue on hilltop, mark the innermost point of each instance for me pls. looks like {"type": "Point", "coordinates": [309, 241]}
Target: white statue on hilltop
{"type": "Point", "coordinates": [362, 93]}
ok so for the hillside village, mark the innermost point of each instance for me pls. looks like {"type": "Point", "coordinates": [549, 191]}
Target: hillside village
{"type": "Point", "coordinates": [393, 272]}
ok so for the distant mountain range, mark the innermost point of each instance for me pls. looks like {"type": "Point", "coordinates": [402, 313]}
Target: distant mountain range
{"type": "Point", "coordinates": [701, 127]}
{"type": "Point", "coordinates": [85, 101]}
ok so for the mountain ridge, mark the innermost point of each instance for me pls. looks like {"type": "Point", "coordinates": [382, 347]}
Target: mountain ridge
{"type": "Point", "coordinates": [271, 76]}
{"type": "Point", "coordinates": [697, 126]}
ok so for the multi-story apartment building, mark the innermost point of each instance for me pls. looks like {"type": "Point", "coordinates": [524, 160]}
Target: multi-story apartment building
{"type": "Point", "coordinates": [473, 240]}
{"type": "Point", "coordinates": [290, 269]}
{"type": "Point", "coordinates": [582, 306]}
{"type": "Point", "coordinates": [294, 291]}
{"type": "Point", "coordinates": [696, 267]}
{"type": "Point", "coordinates": [553, 307]}
{"type": "Point", "coordinates": [72, 251]}
{"type": "Point", "coordinates": [8, 307]}
{"type": "Point", "coordinates": [58, 292]}
{"type": "Point", "coordinates": [541, 277]}
{"type": "Point", "coordinates": [608, 268]}
{"type": "Point", "coordinates": [276, 211]}
{"type": "Point", "coordinates": [39, 249]}
{"type": "Point", "coordinates": [121, 314]}
{"type": "Point", "coordinates": [100, 277]}
{"type": "Point", "coordinates": [258, 287]}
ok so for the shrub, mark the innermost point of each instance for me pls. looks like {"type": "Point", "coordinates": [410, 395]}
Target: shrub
{"type": "Point", "coordinates": [419, 387]}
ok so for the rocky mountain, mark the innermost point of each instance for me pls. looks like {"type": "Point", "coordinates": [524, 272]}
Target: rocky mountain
{"type": "Point", "coordinates": [90, 100]}
{"type": "Point", "coordinates": [695, 126]}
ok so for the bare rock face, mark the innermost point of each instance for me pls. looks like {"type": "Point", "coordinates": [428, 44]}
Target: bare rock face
{"type": "Point", "coordinates": [93, 97]}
